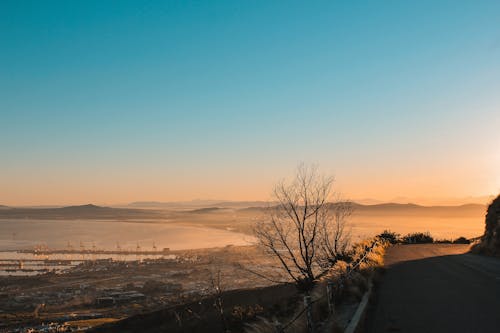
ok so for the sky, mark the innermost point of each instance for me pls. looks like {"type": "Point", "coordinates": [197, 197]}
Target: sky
{"type": "Point", "coordinates": [118, 101]}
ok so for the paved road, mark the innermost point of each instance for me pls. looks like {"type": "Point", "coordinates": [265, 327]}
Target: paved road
{"type": "Point", "coordinates": [437, 288]}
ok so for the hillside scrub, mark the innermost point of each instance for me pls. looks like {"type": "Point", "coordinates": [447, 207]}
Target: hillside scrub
{"type": "Point", "coordinates": [351, 279]}
{"type": "Point", "coordinates": [418, 238]}
{"type": "Point", "coordinates": [389, 236]}
{"type": "Point", "coordinates": [461, 240]}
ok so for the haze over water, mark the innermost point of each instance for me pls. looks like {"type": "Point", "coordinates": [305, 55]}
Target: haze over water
{"type": "Point", "coordinates": [108, 235]}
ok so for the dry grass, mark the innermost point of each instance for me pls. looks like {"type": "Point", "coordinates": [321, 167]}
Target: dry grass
{"type": "Point", "coordinates": [355, 286]}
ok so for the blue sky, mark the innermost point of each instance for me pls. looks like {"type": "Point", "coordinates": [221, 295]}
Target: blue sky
{"type": "Point", "coordinates": [113, 101]}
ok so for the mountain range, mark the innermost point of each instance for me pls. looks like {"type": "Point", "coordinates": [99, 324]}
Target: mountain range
{"type": "Point", "coordinates": [163, 210]}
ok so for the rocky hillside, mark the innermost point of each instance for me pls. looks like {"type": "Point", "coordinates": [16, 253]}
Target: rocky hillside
{"type": "Point", "coordinates": [490, 242]}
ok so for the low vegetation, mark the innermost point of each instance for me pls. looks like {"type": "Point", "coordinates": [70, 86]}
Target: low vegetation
{"type": "Point", "coordinates": [461, 240]}
{"type": "Point", "coordinates": [389, 236]}
{"type": "Point", "coordinates": [344, 283]}
{"type": "Point", "coordinates": [419, 238]}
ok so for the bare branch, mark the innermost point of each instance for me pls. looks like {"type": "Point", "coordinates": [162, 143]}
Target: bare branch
{"type": "Point", "coordinates": [304, 232]}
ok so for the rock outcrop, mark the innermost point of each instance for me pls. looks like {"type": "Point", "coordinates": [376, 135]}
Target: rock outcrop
{"type": "Point", "coordinates": [490, 242]}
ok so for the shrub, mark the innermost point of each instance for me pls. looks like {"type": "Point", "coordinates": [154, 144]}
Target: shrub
{"type": "Point", "coordinates": [443, 241]}
{"type": "Point", "coordinates": [389, 236]}
{"type": "Point", "coordinates": [418, 238]}
{"type": "Point", "coordinates": [461, 240]}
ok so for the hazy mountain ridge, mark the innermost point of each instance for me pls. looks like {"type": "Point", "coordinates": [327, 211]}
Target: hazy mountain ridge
{"type": "Point", "coordinates": [195, 204]}
{"type": "Point", "coordinates": [206, 210]}
{"type": "Point", "coordinates": [88, 211]}
{"type": "Point", "coordinates": [391, 205]}
{"type": "Point", "coordinates": [405, 209]}
{"type": "Point", "coordinates": [418, 210]}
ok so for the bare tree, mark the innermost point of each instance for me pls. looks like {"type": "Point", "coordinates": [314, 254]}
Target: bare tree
{"type": "Point", "coordinates": [297, 229]}
{"type": "Point", "coordinates": [335, 234]}
{"type": "Point", "coordinates": [216, 289]}
{"type": "Point", "coordinates": [216, 284]}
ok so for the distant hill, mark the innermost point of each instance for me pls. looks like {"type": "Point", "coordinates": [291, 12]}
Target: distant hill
{"type": "Point", "coordinates": [4, 207]}
{"type": "Point", "coordinates": [406, 209]}
{"type": "Point", "coordinates": [166, 205]}
{"type": "Point", "coordinates": [79, 212]}
{"type": "Point", "coordinates": [195, 204]}
{"type": "Point", "coordinates": [413, 209]}
{"type": "Point", "coordinates": [206, 210]}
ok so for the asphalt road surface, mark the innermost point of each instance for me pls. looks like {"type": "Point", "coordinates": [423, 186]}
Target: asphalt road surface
{"type": "Point", "coordinates": [436, 288]}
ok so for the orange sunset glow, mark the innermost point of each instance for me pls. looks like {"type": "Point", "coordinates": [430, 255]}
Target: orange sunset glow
{"type": "Point", "coordinates": [249, 166]}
